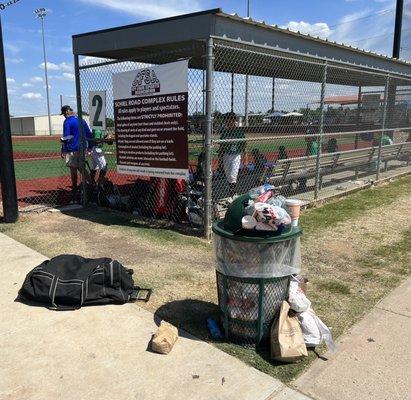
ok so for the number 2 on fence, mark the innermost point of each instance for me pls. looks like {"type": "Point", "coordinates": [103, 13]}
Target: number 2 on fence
{"type": "Point", "coordinates": [97, 110]}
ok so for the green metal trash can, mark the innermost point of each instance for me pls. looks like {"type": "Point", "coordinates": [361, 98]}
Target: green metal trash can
{"type": "Point", "coordinates": [253, 273]}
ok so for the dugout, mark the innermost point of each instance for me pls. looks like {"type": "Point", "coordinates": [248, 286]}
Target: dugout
{"type": "Point", "coordinates": [245, 66]}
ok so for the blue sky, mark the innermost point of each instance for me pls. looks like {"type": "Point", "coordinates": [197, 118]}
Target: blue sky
{"type": "Point", "coordinates": [363, 23]}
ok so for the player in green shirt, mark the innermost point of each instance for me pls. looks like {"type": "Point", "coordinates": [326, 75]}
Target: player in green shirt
{"type": "Point", "coordinates": [231, 152]}
{"type": "Point", "coordinates": [312, 146]}
{"type": "Point", "coordinates": [386, 140]}
{"type": "Point", "coordinates": [98, 159]}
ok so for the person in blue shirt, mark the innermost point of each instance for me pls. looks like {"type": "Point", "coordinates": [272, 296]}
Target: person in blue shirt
{"type": "Point", "coordinates": [70, 149]}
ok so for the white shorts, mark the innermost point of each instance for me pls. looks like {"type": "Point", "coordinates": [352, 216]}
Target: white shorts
{"type": "Point", "coordinates": [98, 160]}
{"type": "Point", "coordinates": [73, 159]}
{"type": "Point", "coordinates": [231, 164]}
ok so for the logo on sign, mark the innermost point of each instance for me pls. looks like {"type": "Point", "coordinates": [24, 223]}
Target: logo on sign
{"type": "Point", "coordinates": [145, 82]}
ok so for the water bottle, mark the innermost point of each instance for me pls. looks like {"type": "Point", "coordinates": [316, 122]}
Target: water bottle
{"type": "Point", "coordinates": [278, 201]}
{"type": "Point", "coordinates": [214, 329]}
{"type": "Point", "coordinates": [258, 191]}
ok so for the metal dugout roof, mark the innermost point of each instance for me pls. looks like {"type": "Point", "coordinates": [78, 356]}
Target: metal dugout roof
{"type": "Point", "coordinates": [179, 35]}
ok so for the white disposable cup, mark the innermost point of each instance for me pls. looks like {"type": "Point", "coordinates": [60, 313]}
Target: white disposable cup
{"type": "Point", "coordinates": [294, 206]}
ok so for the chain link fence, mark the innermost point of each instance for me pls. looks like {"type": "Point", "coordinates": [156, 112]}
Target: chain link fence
{"type": "Point", "coordinates": [312, 128]}
{"type": "Point", "coordinates": [42, 178]}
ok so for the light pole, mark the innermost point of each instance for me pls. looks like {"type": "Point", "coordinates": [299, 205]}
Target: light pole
{"type": "Point", "coordinates": [41, 13]}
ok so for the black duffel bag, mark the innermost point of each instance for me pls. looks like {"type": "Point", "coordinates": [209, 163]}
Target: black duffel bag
{"type": "Point", "coordinates": [68, 282]}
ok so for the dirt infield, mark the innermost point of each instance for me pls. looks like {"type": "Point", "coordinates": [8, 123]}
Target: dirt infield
{"type": "Point", "coordinates": [56, 191]}
{"type": "Point", "coordinates": [25, 156]}
{"type": "Point", "coordinates": [35, 138]}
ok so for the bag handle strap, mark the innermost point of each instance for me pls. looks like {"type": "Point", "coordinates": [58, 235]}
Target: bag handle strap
{"type": "Point", "coordinates": [55, 306]}
{"type": "Point", "coordinates": [136, 295]}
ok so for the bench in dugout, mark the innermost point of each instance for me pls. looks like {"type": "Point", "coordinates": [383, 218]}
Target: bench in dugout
{"type": "Point", "coordinates": [290, 171]}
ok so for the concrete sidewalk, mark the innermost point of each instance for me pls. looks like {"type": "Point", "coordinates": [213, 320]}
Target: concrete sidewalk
{"type": "Point", "coordinates": [373, 360]}
{"type": "Point", "coordinates": [101, 353]}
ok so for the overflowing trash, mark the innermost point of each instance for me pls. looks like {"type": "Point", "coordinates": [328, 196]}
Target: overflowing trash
{"type": "Point", "coordinates": [262, 296]}
{"type": "Point", "coordinates": [257, 249]}
{"type": "Point", "coordinates": [296, 297]}
{"type": "Point", "coordinates": [268, 212]}
{"type": "Point", "coordinates": [287, 341]}
{"type": "Point", "coordinates": [298, 324]}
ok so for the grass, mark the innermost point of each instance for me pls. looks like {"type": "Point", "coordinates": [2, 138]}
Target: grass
{"type": "Point", "coordinates": [334, 286]}
{"type": "Point", "coordinates": [37, 146]}
{"type": "Point", "coordinates": [354, 205]}
{"type": "Point", "coordinates": [180, 269]}
{"type": "Point", "coordinates": [140, 230]}
{"type": "Point", "coordinates": [37, 169]}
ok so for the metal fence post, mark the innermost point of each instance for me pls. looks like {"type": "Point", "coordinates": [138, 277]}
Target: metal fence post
{"type": "Point", "coordinates": [208, 137]}
{"type": "Point", "coordinates": [246, 102]}
{"type": "Point", "coordinates": [321, 131]}
{"type": "Point", "coordinates": [232, 92]}
{"type": "Point", "coordinates": [273, 96]}
{"type": "Point", "coordinates": [81, 128]}
{"type": "Point", "coordinates": [384, 118]}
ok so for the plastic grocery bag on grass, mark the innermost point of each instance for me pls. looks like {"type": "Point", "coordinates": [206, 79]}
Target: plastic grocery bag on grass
{"type": "Point", "coordinates": [296, 297]}
{"type": "Point", "coordinates": [287, 341]}
{"type": "Point", "coordinates": [315, 331]}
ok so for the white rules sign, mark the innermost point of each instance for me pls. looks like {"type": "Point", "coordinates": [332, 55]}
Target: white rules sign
{"type": "Point", "coordinates": [150, 116]}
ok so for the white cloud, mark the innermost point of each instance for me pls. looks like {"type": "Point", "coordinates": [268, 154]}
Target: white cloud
{"type": "Point", "coordinates": [32, 96]}
{"type": "Point", "coordinates": [14, 60]}
{"type": "Point", "coordinates": [50, 66]}
{"type": "Point", "coordinates": [11, 91]}
{"type": "Point", "coordinates": [57, 67]}
{"type": "Point", "coordinates": [25, 84]}
{"type": "Point", "coordinates": [89, 60]}
{"type": "Point", "coordinates": [11, 80]}
{"type": "Point", "coordinates": [36, 79]}
{"type": "Point", "coordinates": [367, 29]}
{"type": "Point", "coordinates": [318, 29]}
{"type": "Point", "coordinates": [66, 67]}
{"type": "Point", "coordinates": [45, 86]}
{"type": "Point", "coordinates": [65, 76]}
{"type": "Point", "coordinates": [153, 9]}
{"type": "Point", "coordinates": [69, 76]}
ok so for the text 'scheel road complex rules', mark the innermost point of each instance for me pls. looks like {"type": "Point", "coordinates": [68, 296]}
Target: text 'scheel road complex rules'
{"type": "Point", "coordinates": [150, 114]}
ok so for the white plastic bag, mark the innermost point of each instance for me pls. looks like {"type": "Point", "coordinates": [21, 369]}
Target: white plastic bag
{"type": "Point", "coordinates": [296, 297]}
{"type": "Point", "coordinates": [315, 331]}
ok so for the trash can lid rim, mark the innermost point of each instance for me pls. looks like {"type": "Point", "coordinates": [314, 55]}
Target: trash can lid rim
{"type": "Point", "coordinates": [265, 237]}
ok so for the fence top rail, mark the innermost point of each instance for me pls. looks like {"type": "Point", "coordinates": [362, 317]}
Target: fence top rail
{"type": "Point", "coordinates": [300, 57]}
{"type": "Point", "coordinates": [305, 135]}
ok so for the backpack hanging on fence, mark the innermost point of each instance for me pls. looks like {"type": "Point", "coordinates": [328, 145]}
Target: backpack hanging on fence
{"type": "Point", "coordinates": [68, 282]}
